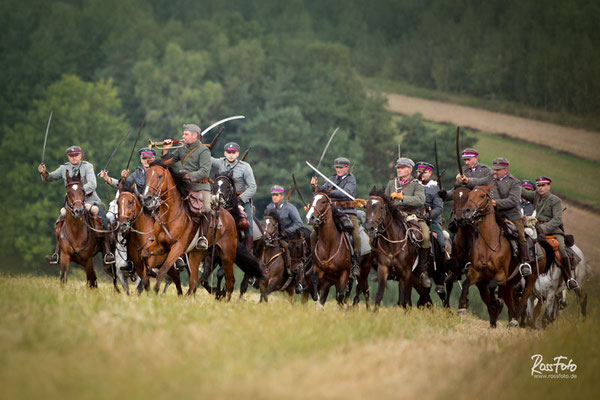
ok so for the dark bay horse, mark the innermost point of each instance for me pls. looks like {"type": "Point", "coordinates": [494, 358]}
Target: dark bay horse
{"type": "Point", "coordinates": [492, 263]}
{"type": "Point", "coordinates": [331, 256]}
{"type": "Point", "coordinates": [137, 228]}
{"type": "Point", "coordinates": [175, 229]}
{"type": "Point", "coordinates": [396, 256]}
{"type": "Point", "coordinates": [77, 240]}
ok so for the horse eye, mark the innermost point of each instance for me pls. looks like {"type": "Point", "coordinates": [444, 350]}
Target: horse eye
{"type": "Point", "coordinates": [481, 196]}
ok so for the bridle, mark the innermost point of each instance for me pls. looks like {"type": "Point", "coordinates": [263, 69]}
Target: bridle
{"type": "Point", "coordinates": [71, 207]}
{"type": "Point", "coordinates": [480, 210]}
{"type": "Point", "coordinates": [271, 241]}
{"type": "Point", "coordinates": [158, 189]}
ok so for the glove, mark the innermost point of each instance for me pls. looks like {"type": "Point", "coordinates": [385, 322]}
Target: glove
{"type": "Point", "coordinates": [397, 195]}
{"type": "Point", "coordinates": [360, 203]}
{"type": "Point", "coordinates": [442, 193]}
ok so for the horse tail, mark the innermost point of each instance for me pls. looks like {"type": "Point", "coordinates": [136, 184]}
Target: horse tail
{"type": "Point", "coordinates": [549, 251]}
{"type": "Point", "coordinates": [247, 262]}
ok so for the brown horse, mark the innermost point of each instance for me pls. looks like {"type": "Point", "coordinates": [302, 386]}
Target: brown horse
{"type": "Point", "coordinates": [492, 263]}
{"type": "Point", "coordinates": [137, 228]}
{"type": "Point", "coordinates": [272, 262]}
{"type": "Point", "coordinates": [175, 229]}
{"type": "Point", "coordinates": [331, 256]}
{"type": "Point", "coordinates": [77, 240]}
{"type": "Point", "coordinates": [396, 257]}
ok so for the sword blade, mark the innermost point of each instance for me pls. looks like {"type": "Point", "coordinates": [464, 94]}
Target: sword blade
{"type": "Point", "coordinates": [458, 151]}
{"type": "Point", "coordinates": [298, 190]}
{"type": "Point", "coordinates": [330, 181]}
{"type": "Point", "coordinates": [135, 143]}
{"type": "Point", "coordinates": [221, 122]}
{"type": "Point", "coordinates": [46, 138]}
{"type": "Point", "coordinates": [326, 147]}
{"type": "Point", "coordinates": [437, 165]}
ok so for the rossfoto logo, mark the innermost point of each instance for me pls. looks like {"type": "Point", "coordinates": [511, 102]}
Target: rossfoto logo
{"type": "Point", "coordinates": [559, 369]}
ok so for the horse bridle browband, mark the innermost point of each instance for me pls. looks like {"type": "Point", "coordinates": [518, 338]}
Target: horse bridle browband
{"type": "Point", "coordinates": [480, 211]}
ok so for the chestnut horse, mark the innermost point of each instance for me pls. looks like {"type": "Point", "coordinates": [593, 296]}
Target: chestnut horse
{"type": "Point", "coordinates": [175, 229]}
{"type": "Point", "coordinates": [395, 256]}
{"type": "Point", "coordinates": [492, 263]}
{"type": "Point", "coordinates": [137, 228]}
{"type": "Point", "coordinates": [272, 262]}
{"type": "Point", "coordinates": [331, 256]}
{"type": "Point", "coordinates": [77, 240]}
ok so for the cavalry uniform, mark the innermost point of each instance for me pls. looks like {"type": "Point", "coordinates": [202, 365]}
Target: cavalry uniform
{"type": "Point", "coordinates": [548, 210]}
{"type": "Point", "coordinates": [527, 208]}
{"type": "Point", "coordinates": [243, 179]}
{"type": "Point", "coordinates": [434, 206]}
{"type": "Point", "coordinates": [506, 192]}
{"type": "Point", "coordinates": [409, 196]}
{"type": "Point", "coordinates": [88, 179]}
{"type": "Point", "coordinates": [477, 171]}
{"type": "Point", "coordinates": [344, 205]}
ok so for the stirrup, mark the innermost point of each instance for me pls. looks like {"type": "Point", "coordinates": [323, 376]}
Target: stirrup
{"type": "Point", "coordinates": [572, 284]}
{"type": "Point", "coordinates": [109, 258]}
{"type": "Point", "coordinates": [202, 243]}
{"type": "Point", "coordinates": [525, 269]}
{"type": "Point", "coordinates": [128, 267]}
{"type": "Point", "coordinates": [466, 267]}
{"type": "Point", "coordinates": [355, 271]}
{"type": "Point", "coordinates": [53, 259]}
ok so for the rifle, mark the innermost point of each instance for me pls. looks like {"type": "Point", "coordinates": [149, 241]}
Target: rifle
{"type": "Point", "coordinates": [213, 143]}
{"type": "Point", "coordinates": [246, 153]}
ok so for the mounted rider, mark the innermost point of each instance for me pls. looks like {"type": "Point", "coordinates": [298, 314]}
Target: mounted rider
{"type": "Point", "coordinates": [548, 210]}
{"type": "Point", "coordinates": [92, 202]}
{"type": "Point", "coordinates": [505, 196]}
{"type": "Point", "coordinates": [527, 208]}
{"type": "Point", "coordinates": [408, 194]}
{"type": "Point", "coordinates": [195, 161]}
{"type": "Point", "coordinates": [289, 221]}
{"type": "Point", "coordinates": [243, 180]}
{"type": "Point", "coordinates": [343, 204]}
{"type": "Point", "coordinates": [434, 206]}
{"type": "Point", "coordinates": [474, 169]}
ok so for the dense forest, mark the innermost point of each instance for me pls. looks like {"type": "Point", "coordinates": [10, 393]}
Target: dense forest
{"type": "Point", "coordinates": [293, 68]}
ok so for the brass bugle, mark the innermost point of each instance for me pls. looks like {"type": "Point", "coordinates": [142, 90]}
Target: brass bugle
{"type": "Point", "coordinates": [160, 145]}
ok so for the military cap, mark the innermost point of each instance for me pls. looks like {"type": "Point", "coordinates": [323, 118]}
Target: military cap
{"type": "Point", "coordinates": [341, 162]}
{"type": "Point", "coordinates": [500, 163]}
{"type": "Point", "coordinates": [405, 161]}
{"type": "Point", "coordinates": [277, 189]}
{"type": "Point", "coordinates": [232, 147]}
{"type": "Point", "coordinates": [543, 179]}
{"type": "Point", "coordinates": [469, 152]}
{"type": "Point", "coordinates": [422, 165]}
{"type": "Point", "coordinates": [528, 184]}
{"type": "Point", "coordinates": [146, 151]}
{"type": "Point", "coordinates": [191, 128]}
{"type": "Point", "coordinates": [73, 150]}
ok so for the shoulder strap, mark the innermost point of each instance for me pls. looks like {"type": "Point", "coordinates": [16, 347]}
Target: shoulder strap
{"type": "Point", "coordinates": [190, 153]}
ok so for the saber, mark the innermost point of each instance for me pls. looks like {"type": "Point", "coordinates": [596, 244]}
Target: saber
{"type": "Point", "coordinates": [326, 146]}
{"type": "Point", "coordinates": [458, 151]}
{"type": "Point", "coordinates": [330, 181]}
{"type": "Point", "coordinates": [135, 143]}
{"type": "Point", "coordinates": [116, 148]}
{"type": "Point", "coordinates": [399, 151]}
{"type": "Point", "coordinates": [46, 139]}
{"type": "Point", "coordinates": [298, 190]}
{"type": "Point", "coordinates": [221, 122]}
{"type": "Point", "coordinates": [437, 165]}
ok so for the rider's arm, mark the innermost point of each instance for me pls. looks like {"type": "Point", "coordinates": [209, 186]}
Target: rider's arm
{"type": "Point", "coordinates": [554, 224]}
{"type": "Point", "coordinates": [204, 164]}
{"type": "Point", "coordinates": [90, 177]}
{"type": "Point", "coordinates": [512, 200]}
{"type": "Point", "coordinates": [295, 218]}
{"type": "Point", "coordinates": [349, 186]}
{"type": "Point", "coordinates": [527, 195]}
{"type": "Point", "coordinates": [55, 175]}
{"type": "Point", "coordinates": [478, 182]}
{"type": "Point", "coordinates": [414, 197]}
{"type": "Point", "coordinates": [437, 208]}
{"type": "Point", "coordinates": [247, 195]}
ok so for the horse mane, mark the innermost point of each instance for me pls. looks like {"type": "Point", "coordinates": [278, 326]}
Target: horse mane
{"type": "Point", "coordinates": [183, 185]}
{"type": "Point", "coordinates": [396, 214]}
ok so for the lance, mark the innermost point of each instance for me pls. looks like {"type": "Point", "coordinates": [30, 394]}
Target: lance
{"type": "Point", "coordinates": [458, 151]}
{"type": "Point", "coordinates": [298, 190]}
{"type": "Point", "coordinates": [221, 122]}
{"type": "Point", "coordinates": [326, 147]}
{"type": "Point", "coordinates": [246, 153]}
{"type": "Point", "coordinates": [135, 143]}
{"type": "Point", "coordinates": [46, 139]}
{"type": "Point", "coordinates": [330, 181]}
{"type": "Point", "coordinates": [437, 165]}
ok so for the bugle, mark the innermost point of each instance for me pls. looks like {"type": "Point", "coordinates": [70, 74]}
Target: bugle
{"type": "Point", "coordinates": [160, 145]}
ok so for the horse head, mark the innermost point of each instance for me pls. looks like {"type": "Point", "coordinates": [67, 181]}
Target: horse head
{"type": "Point", "coordinates": [75, 197]}
{"type": "Point", "coordinates": [129, 209]}
{"type": "Point", "coordinates": [376, 213]}
{"type": "Point", "coordinates": [270, 227]}
{"type": "Point", "coordinates": [156, 184]}
{"type": "Point", "coordinates": [460, 198]}
{"type": "Point", "coordinates": [477, 204]}
{"type": "Point", "coordinates": [320, 205]}
{"type": "Point", "coordinates": [224, 190]}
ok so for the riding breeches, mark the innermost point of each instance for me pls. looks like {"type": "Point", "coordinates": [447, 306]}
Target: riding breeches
{"type": "Point", "coordinates": [521, 230]}
{"type": "Point", "coordinates": [437, 228]}
{"type": "Point", "coordinates": [426, 244]}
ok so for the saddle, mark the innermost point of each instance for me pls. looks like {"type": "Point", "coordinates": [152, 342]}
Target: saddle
{"type": "Point", "coordinates": [512, 234]}
{"type": "Point", "coordinates": [195, 204]}
{"type": "Point", "coordinates": [415, 234]}
{"type": "Point", "coordinates": [573, 257]}
{"type": "Point", "coordinates": [342, 221]}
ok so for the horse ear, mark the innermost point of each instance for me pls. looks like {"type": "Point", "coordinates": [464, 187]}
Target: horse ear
{"type": "Point", "coordinates": [77, 176]}
{"type": "Point", "coordinates": [135, 190]}
{"type": "Point", "coordinates": [168, 162]}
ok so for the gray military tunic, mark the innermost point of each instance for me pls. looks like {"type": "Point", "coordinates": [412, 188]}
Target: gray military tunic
{"type": "Point", "coordinates": [243, 177]}
{"type": "Point", "coordinates": [289, 218]}
{"type": "Point", "coordinates": [197, 165]}
{"type": "Point", "coordinates": [548, 210]}
{"type": "Point", "coordinates": [506, 192]}
{"type": "Point", "coordinates": [138, 176]}
{"type": "Point", "coordinates": [348, 184]}
{"type": "Point", "coordinates": [478, 171]}
{"type": "Point", "coordinates": [88, 178]}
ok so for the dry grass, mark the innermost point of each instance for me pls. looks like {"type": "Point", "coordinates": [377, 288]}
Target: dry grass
{"type": "Point", "coordinates": [75, 343]}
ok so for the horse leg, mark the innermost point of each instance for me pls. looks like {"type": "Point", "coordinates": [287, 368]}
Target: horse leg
{"type": "Point", "coordinates": [90, 274]}
{"type": "Point", "coordinates": [174, 275]}
{"type": "Point", "coordinates": [325, 286]}
{"type": "Point", "coordinates": [227, 263]}
{"type": "Point", "coordinates": [463, 302]}
{"type": "Point", "coordinates": [449, 287]}
{"type": "Point", "coordinates": [404, 291]}
{"type": "Point", "coordinates": [508, 296]}
{"type": "Point", "coordinates": [382, 275]}
{"type": "Point", "coordinates": [486, 294]}
{"type": "Point", "coordinates": [244, 285]}
{"type": "Point", "coordinates": [65, 260]}
{"type": "Point", "coordinates": [582, 300]}
{"type": "Point", "coordinates": [262, 286]}
{"type": "Point", "coordinates": [194, 260]}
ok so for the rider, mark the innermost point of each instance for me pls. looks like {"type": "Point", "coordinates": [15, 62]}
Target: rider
{"type": "Point", "coordinates": [195, 160]}
{"type": "Point", "coordinates": [548, 209]}
{"type": "Point", "coordinates": [344, 204]}
{"type": "Point", "coordinates": [433, 203]}
{"type": "Point", "coordinates": [505, 197]}
{"type": "Point", "coordinates": [408, 195]}
{"type": "Point", "coordinates": [289, 220]}
{"type": "Point", "coordinates": [92, 201]}
{"type": "Point", "coordinates": [527, 207]}
{"type": "Point", "coordinates": [243, 179]}
{"type": "Point", "coordinates": [473, 169]}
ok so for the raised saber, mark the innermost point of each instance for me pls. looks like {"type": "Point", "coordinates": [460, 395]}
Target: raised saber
{"type": "Point", "coordinates": [116, 148]}
{"type": "Point", "coordinates": [46, 139]}
{"type": "Point", "coordinates": [221, 122]}
{"type": "Point", "coordinates": [135, 143]}
{"type": "Point", "coordinates": [326, 147]}
{"type": "Point", "coordinates": [437, 165]}
{"type": "Point", "coordinates": [458, 151]}
{"type": "Point", "coordinates": [330, 181]}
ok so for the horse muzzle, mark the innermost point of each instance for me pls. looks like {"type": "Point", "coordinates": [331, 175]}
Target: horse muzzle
{"type": "Point", "coordinates": [124, 226]}
{"type": "Point", "coordinates": [315, 221]}
{"type": "Point", "coordinates": [150, 202]}
{"type": "Point", "coordinates": [78, 212]}
{"type": "Point", "coordinates": [467, 214]}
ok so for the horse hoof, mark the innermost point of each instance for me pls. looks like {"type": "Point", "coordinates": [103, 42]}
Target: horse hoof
{"type": "Point", "coordinates": [513, 323]}
{"type": "Point", "coordinates": [461, 312]}
{"type": "Point", "coordinates": [319, 307]}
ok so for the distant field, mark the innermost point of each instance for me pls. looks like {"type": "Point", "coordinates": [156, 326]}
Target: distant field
{"type": "Point", "coordinates": [72, 342]}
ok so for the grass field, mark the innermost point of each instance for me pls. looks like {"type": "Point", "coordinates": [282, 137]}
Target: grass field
{"type": "Point", "coordinates": [73, 342]}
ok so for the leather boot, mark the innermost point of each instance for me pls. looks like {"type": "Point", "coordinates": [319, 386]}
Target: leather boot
{"type": "Point", "coordinates": [355, 264]}
{"type": "Point", "coordinates": [249, 242]}
{"type": "Point", "coordinates": [524, 268]}
{"type": "Point", "coordinates": [566, 268]}
{"type": "Point", "coordinates": [109, 257]}
{"type": "Point", "coordinates": [54, 258]}
{"type": "Point", "coordinates": [421, 269]}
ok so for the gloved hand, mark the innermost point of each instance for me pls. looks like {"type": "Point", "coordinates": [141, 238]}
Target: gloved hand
{"type": "Point", "coordinates": [360, 203]}
{"type": "Point", "coordinates": [442, 193]}
{"type": "Point", "coordinates": [397, 195]}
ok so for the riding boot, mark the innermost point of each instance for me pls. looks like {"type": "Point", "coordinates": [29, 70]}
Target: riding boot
{"type": "Point", "coordinates": [54, 258]}
{"type": "Point", "coordinates": [421, 269]}
{"type": "Point", "coordinates": [202, 243]}
{"type": "Point", "coordinates": [109, 257]}
{"type": "Point", "coordinates": [355, 264]}
{"type": "Point", "coordinates": [287, 262]}
{"type": "Point", "coordinates": [566, 268]}
{"type": "Point", "coordinates": [524, 268]}
{"type": "Point", "coordinates": [249, 242]}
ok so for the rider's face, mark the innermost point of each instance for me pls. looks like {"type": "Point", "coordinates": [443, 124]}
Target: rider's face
{"type": "Point", "coordinates": [500, 173]}
{"type": "Point", "coordinates": [403, 171]}
{"type": "Point", "coordinates": [426, 175]}
{"type": "Point", "coordinates": [231, 156]}
{"type": "Point", "coordinates": [189, 137]}
{"type": "Point", "coordinates": [341, 170]}
{"type": "Point", "coordinates": [470, 162]}
{"type": "Point", "coordinates": [74, 159]}
{"type": "Point", "coordinates": [543, 188]}
{"type": "Point", "coordinates": [146, 161]}
{"type": "Point", "coordinates": [277, 198]}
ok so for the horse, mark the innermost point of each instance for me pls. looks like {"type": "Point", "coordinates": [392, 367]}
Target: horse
{"type": "Point", "coordinates": [272, 260]}
{"type": "Point", "coordinates": [331, 256]}
{"type": "Point", "coordinates": [492, 263]}
{"type": "Point", "coordinates": [396, 257]}
{"type": "Point", "coordinates": [176, 229]}
{"type": "Point", "coordinates": [76, 237]}
{"type": "Point", "coordinates": [136, 232]}
{"type": "Point", "coordinates": [548, 289]}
